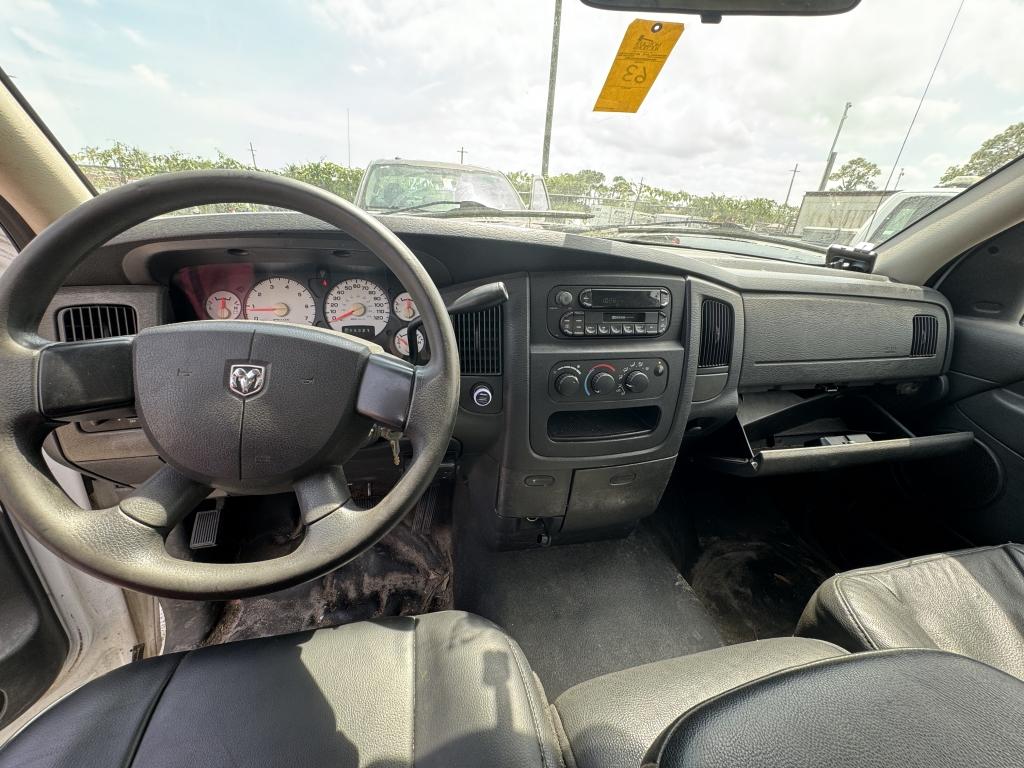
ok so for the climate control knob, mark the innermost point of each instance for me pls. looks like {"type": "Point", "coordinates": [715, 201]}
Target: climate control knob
{"type": "Point", "coordinates": [601, 383]}
{"type": "Point", "coordinates": [636, 381]}
{"type": "Point", "coordinates": [567, 384]}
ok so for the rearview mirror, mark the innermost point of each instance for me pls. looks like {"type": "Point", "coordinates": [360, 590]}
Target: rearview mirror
{"type": "Point", "coordinates": [713, 10]}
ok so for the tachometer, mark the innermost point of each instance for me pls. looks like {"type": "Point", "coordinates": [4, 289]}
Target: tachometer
{"type": "Point", "coordinates": [405, 307]}
{"type": "Point", "coordinates": [223, 305]}
{"type": "Point", "coordinates": [280, 300]}
{"type": "Point", "coordinates": [357, 306]}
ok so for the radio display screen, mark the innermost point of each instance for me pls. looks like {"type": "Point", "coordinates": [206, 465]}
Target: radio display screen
{"type": "Point", "coordinates": [625, 317]}
{"type": "Point", "coordinates": [625, 298]}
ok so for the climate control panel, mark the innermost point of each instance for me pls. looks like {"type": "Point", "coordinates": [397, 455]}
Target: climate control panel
{"type": "Point", "coordinates": [620, 379]}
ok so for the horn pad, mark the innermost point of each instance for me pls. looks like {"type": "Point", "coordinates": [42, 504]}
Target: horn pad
{"type": "Point", "coordinates": [248, 406]}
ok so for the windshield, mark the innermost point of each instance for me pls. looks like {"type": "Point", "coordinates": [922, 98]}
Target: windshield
{"type": "Point", "coordinates": [389, 187]}
{"type": "Point", "coordinates": [780, 135]}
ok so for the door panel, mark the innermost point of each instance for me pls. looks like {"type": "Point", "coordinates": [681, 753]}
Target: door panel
{"type": "Point", "coordinates": [33, 645]}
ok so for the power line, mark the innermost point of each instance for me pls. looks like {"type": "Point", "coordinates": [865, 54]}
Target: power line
{"type": "Point", "coordinates": [924, 93]}
{"type": "Point", "coordinates": [252, 153]}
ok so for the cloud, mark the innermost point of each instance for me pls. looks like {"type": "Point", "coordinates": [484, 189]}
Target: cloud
{"type": "Point", "coordinates": [736, 106]}
{"type": "Point", "coordinates": [36, 45]}
{"type": "Point", "coordinates": [135, 36]}
{"type": "Point", "coordinates": [151, 77]}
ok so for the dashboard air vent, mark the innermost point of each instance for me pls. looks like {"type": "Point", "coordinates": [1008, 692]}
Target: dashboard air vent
{"type": "Point", "coordinates": [926, 336]}
{"type": "Point", "coordinates": [479, 338]}
{"type": "Point", "coordinates": [715, 334]}
{"type": "Point", "coordinates": [96, 321]}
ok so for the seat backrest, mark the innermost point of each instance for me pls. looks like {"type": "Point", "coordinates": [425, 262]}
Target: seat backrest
{"type": "Point", "coordinates": [898, 709]}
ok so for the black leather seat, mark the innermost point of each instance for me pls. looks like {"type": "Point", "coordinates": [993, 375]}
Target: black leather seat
{"type": "Point", "coordinates": [889, 709]}
{"type": "Point", "coordinates": [611, 721]}
{"type": "Point", "coordinates": [969, 602]}
{"type": "Point", "coordinates": [445, 689]}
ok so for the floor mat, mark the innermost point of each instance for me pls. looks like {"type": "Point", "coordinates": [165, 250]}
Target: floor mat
{"type": "Point", "coordinates": [406, 573]}
{"type": "Point", "coordinates": [583, 610]}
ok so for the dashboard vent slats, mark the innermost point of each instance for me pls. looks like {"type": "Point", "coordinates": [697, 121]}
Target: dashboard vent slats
{"type": "Point", "coordinates": [87, 322]}
{"type": "Point", "coordinates": [926, 336]}
{"type": "Point", "coordinates": [715, 334]}
{"type": "Point", "coordinates": [479, 338]}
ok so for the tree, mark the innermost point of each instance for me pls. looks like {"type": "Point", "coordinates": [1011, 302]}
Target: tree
{"type": "Point", "coordinates": [992, 155]}
{"type": "Point", "coordinates": [856, 174]}
{"type": "Point", "coordinates": [323, 173]}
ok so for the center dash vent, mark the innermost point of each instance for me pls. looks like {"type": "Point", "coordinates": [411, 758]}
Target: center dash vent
{"type": "Point", "coordinates": [715, 334]}
{"type": "Point", "coordinates": [86, 322]}
{"type": "Point", "coordinates": [926, 336]}
{"type": "Point", "coordinates": [479, 337]}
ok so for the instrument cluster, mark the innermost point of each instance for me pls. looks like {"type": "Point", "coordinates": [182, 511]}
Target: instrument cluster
{"type": "Point", "coordinates": [372, 306]}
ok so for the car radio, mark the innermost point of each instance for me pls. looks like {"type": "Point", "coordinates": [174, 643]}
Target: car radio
{"type": "Point", "coordinates": [584, 311]}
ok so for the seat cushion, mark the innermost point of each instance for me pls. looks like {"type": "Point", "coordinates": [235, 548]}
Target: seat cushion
{"type": "Point", "coordinates": [612, 720]}
{"type": "Point", "coordinates": [969, 602]}
{"type": "Point", "coordinates": [886, 709]}
{"type": "Point", "coordinates": [445, 689]}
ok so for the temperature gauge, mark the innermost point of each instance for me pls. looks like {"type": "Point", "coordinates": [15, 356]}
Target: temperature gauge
{"type": "Point", "coordinates": [402, 342]}
{"type": "Point", "coordinates": [405, 307]}
{"type": "Point", "coordinates": [223, 305]}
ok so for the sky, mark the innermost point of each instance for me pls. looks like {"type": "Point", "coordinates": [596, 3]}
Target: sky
{"type": "Point", "coordinates": [736, 107]}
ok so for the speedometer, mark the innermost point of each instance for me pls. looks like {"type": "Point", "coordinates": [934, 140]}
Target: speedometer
{"type": "Point", "coordinates": [357, 306]}
{"type": "Point", "coordinates": [280, 300]}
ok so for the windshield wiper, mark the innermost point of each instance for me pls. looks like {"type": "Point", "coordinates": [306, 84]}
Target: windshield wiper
{"type": "Point", "coordinates": [473, 204]}
{"type": "Point", "coordinates": [470, 208]}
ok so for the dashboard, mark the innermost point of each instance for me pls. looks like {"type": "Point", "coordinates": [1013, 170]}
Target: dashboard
{"type": "Point", "coordinates": [579, 393]}
{"type": "Point", "coordinates": [372, 306]}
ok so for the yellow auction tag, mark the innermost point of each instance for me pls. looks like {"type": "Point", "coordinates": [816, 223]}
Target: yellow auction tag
{"type": "Point", "coordinates": [645, 47]}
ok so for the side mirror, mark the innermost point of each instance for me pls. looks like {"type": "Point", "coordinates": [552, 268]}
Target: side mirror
{"type": "Point", "coordinates": [539, 199]}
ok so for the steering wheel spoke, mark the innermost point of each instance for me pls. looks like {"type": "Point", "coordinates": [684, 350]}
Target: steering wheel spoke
{"type": "Point", "coordinates": [385, 393]}
{"type": "Point", "coordinates": [322, 493]}
{"type": "Point", "coordinates": [79, 380]}
{"type": "Point", "coordinates": [164, 499]}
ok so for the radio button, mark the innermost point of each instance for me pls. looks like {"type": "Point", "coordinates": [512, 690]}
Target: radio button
{"type": "Point", "coordinates": [651, 329]}
{"type": "Point", "coordinates": [616, 329]}
{"type": "Point", "coordinates": [627, 329]}
{"type": "Point", "coordinates": [665, 297]}
{"type": "Point", "coordinates": [590, 330]}
{"type": "Point", "coordinates": [603, 329]}
{"type": "Point", "coordinates": [563, 299]}
{"type": "Point", "coordinates": [587, 298]}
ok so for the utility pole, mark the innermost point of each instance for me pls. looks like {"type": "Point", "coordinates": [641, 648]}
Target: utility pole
{"type": "Point", "coordinates": [792, 178]}
{"type": "Point", "coordinates": [832, 151]}
{"type": "Point", "coordinates": [252, 153]}
{"type": "Point", "coordinates": [552, 76]}
{"type": "Point", "coordinates": [636, 200]}
{"type": "Point", "coordinates": [899, 179]}
{"type": "Point", "coordinates": [348, 135]}
{"type": "Point", "coordinates": [462, 155]}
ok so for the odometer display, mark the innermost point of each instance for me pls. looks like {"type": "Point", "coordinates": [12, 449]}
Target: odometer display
{"type": "Point", "coordinates": [359, 303]}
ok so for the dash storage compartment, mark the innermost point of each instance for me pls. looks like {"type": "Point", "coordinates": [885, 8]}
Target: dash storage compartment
{"type": "Point", "coordinates": [824, 432]}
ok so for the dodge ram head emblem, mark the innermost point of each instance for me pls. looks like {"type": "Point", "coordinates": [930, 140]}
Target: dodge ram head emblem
{"type": "Point", "coordinates": [245, 380]}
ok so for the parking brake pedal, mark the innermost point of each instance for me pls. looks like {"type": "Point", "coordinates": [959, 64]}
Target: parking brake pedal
{"type": "Point", "coordinates": [205, 528]}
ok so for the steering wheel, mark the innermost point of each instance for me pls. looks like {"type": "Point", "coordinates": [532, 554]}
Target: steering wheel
{"type": "Point", "coordinates": [245, 407]}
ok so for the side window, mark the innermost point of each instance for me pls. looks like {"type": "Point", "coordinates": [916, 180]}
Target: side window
{"type": "Point", "coordinates": [7, 250]}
